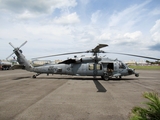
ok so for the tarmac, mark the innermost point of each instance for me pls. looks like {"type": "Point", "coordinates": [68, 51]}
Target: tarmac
{"type": "Point", "coordinates": [63, 97]}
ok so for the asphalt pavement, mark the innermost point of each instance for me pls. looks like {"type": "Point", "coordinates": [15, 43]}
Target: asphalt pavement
{"type": "Point", "coordinates": [63, 97]}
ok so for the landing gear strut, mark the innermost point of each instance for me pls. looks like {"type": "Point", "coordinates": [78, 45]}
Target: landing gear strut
{"type": "Point", "coordinates": [34, 76]}
{"type": "Point", "coordinates": [119, 77]}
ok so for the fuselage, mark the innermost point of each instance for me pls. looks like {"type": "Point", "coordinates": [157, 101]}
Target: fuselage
{"type": "Point", "coordinates": [105, 65]}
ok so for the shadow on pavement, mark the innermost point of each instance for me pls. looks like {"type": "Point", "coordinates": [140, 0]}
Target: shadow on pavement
{"type": "Point", "coordinates": [99, 86]}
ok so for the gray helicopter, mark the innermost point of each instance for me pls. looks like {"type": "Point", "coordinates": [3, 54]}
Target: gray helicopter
{"type": "Point", "coordinates": [83, 66]}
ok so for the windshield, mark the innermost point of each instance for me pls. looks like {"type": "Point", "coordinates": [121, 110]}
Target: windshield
{"type": "Point", "coordinates": [122, 65]}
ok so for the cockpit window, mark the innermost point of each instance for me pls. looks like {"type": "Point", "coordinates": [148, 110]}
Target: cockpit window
{"type": "Point", "coordinates": [121, 65]}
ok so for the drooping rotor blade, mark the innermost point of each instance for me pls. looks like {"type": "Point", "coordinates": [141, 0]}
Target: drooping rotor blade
{"type": "Point", "coordinates": [96, 49]}
{"type": "Point", "coordinates": [100, 46]}
{"type": "Point", "coordinates": [23, 44]}
{"type": "Point", "coordinates": [60, 54]}
{"type": "Point", "coordinates": [135, 55]}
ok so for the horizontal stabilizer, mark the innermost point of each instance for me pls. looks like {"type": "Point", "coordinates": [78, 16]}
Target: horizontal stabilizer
{"type": "Point", "coordinates": [116, 75]}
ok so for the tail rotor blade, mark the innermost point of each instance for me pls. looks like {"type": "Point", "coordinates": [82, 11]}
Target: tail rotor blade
{"type": "Point", "coordinates": [23, 44]}
{"type": "Point", "coordinates": [12, 45]}
{"type": "Point", "coordinates": [15, 49]}
{"type": "Point", "coordinates": [9, 56]}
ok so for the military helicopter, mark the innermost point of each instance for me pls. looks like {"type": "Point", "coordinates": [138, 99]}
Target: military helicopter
{"type": "Point", "coordinates": [84, 66]}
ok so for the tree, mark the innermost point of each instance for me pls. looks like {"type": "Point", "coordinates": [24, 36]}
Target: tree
{"type": "Point", "coordinates": [152, 110]}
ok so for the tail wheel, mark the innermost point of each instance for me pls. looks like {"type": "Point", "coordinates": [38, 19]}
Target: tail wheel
{"type": "Point", "coordinates": [34, 76]}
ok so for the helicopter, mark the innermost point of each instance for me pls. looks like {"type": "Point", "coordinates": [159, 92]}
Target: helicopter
{"type": "Point", "coordinates": [84, 66]}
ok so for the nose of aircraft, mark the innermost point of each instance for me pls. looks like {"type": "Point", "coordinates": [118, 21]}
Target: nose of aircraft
{"type": "Point", "coordinates": [132, 71]}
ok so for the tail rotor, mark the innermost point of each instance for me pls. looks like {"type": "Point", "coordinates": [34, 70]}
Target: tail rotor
{"type": "Point", "coordinates": [12, 45]}
{"type": "Point", "coordinates": [23, 44]}
{"type": "Point", "coordinates": [9, 56]}
{"type": "Point", "coordinates": [15, 49]}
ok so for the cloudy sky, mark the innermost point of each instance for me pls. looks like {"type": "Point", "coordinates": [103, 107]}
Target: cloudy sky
{"type": "Point", "coordinates": [59, 26]}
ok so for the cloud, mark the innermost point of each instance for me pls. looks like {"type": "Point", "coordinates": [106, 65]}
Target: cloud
{"type": "Point", "coordinates": [67, 19]}
{"type": "Point", "coordinates": [95, 16]}
{"type": "Point", "coordinates": [119, 38]}
{"type": "Point", "coordinates": [105, 36]}
{"type": "Point", "coordinates": [155, 36]}
{"type": "Point", "coordinates": [155, 31]}
{"type": "Point", "coordinates": [125, 27]}
{"type": "Point", "coordinates": [156, 11]}
{"type": "Point", "coordinates": [26, 15]}
{"type": "Point", "coordinates": [84, 2]}
{"type": "Point", "coordinates": [55, 26]}
{"type": "Point", "coordinates": [36, 6]}
{"type": "Point", "coordinates": [133, 35]}
{"type": "Point", "coordinates": [127, 17]}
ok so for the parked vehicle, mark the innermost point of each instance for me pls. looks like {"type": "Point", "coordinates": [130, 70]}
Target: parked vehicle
{"type": "Point", "coordinates": [4, 65]}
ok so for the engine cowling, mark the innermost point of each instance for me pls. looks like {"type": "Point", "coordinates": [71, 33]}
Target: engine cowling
{"type": "Point", "coordinates": [87, 59]}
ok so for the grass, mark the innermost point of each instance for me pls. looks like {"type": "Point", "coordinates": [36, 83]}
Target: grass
{"type": "Point", "coordinates": [151, 111]}
{"type": "Point", "coordinates": [145, 67]}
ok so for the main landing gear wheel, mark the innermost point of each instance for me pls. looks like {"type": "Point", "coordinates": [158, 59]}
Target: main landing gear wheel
{"type": "Point", "coordinates": [105, 77]}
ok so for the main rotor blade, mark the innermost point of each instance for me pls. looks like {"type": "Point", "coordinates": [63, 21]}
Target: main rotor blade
{"type": "Point", "coordinates": [23, 44]}
{"type": "Point", "coordinates": [135, 55]}
{"type": "Point", "coordinates": [96, 49]}
{"type": "Point", "coordinates": [60, 54]}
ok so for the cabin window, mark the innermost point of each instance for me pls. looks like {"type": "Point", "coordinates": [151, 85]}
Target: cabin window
{"type": "Point", "coordinates": [99, 67]}
{"type": "Point", "coordinates": [92, 66]}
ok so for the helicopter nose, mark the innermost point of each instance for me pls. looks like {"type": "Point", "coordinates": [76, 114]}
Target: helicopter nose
{"type": "Point", "coordinates": [137, 74]}
{"type": "Point", "coordinates": [131, 71]}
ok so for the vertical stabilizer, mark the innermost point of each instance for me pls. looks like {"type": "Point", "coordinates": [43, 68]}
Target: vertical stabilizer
{"type": "Point", "coordinates": [22, 60]}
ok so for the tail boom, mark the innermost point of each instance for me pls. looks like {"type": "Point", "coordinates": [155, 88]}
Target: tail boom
{"type": "Point", "coordinates": [21, 58]}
